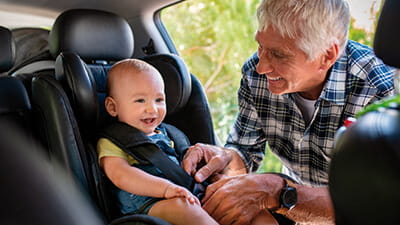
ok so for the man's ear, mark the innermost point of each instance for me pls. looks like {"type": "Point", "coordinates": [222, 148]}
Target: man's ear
{"type": "Point", "coordinates": [111, 106]}
{"type": "Point", "coordinates": [329, 57]}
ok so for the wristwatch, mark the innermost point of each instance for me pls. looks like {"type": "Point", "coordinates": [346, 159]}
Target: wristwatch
{"type": "Point", "coordinates": [287, 197]}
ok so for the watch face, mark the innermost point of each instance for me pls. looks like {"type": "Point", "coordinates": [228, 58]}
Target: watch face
{"type": "Point", "coordinates": [289, 197]}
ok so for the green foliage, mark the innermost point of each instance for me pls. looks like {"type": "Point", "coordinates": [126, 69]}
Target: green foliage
{"type": "Point", "coordinates": [360, 35]}
{"type": "Point", "coordinates": [271, 162]}
{"type": "Point", "coordinates": [215, 37]}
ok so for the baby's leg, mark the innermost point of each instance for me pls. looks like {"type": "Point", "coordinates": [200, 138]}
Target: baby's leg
{"type": "Point", "coordinates": [264, 218]}
{"type": "Point", "coordinates": [178, 211]}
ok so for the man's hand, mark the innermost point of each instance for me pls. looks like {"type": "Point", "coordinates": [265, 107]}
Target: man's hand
{"type": "Point", "coordinates": [216, 159]}
{"type": "Point", "coordinates": [238, 200]}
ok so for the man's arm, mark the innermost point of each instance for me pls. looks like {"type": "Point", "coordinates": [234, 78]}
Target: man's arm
{"type": "Point", "coordinates": [314, 205]}
{"type": "Point", "coordinates": [239, 199]}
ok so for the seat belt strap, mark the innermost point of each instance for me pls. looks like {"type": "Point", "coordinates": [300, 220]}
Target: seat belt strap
{"type": "Point", "coordinates": [139, 146]}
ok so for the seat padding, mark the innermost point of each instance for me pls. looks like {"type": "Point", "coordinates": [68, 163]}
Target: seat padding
{"type": "Point", "coordinates": [386, 41]}
{"type": "Point", "coordinates": [7, 50]}
{"type": "Point", "coordinates": [13, 96]}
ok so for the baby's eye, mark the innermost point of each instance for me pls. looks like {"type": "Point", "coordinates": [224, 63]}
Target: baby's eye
{"type": "Point", "coordinates": [160, 100]}
{"type": "Point", "coordinates": [139, 100]}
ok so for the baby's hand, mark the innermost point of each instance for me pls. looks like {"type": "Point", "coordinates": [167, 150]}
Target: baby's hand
{"type": "Point", "coordinates": [173, 191]}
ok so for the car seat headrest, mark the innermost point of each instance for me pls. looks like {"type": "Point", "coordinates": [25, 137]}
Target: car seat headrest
{"type": "Point", "coordinates": [13, 96]}
{"type": "Point", "coordinates": [386, 43]}
{"type": "Point", "coordinates": [364, 167]}
{"type": "Point", "coordinates": [92, 34]}
{"type": "Point", "coordinates": [178, 86]}
{"type": "Point", "coordinates": [31, 50]}
{"type": "Point", "coordinates": [7, 50]}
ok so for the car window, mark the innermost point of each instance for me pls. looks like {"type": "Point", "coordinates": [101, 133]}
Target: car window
{"type": "Point", "coordinates": [215, 38]}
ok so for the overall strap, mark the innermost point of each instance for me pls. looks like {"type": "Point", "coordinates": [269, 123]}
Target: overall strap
{"type": "Point", "coordinates": [181, 141]}
{"type": "Point", "coordinates": [139, 146]}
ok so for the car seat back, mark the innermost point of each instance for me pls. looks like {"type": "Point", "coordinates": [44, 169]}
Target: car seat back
{"type": "Point", "coordinates": [15, 106]}
{"type": "Point", "coordinates": [34, 192]}
{"type": "Point", "coordinates": [7, 50]}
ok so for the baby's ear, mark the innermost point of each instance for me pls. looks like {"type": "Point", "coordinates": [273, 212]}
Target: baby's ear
{"type": "Point", "coordinates": [111, 106]}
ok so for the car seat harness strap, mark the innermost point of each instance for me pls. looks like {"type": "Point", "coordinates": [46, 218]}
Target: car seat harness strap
{"type": "Point", "coordinates": [138, 145]}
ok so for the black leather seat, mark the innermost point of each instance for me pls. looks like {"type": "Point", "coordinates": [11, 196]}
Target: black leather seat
{"type": "Point", "coordinates": [365, 168]}
{"type": "Point", "coordinates": [7, 50]}
{"type": "Point", "coordinates": [15, 105]}
{"type": "Point", "coordinates": [32, 191]}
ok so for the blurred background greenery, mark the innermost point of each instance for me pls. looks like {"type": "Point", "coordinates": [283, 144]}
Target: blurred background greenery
{"type": "Point", "coordinates": [215, 37]}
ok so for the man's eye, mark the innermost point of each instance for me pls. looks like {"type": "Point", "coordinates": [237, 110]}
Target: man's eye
{"type": "Point", "coordinates": [277, 55]}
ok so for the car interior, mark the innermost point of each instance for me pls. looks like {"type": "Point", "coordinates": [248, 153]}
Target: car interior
{"type": "Point", "coordinates": [52, 91]}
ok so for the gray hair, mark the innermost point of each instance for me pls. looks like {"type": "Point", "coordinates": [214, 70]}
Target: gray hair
{"type": "Point", "coordinates": [315, 24]}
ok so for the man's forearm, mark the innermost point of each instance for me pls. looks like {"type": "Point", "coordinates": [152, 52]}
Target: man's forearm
{"type": "Point", "coordinates": [314, 206]}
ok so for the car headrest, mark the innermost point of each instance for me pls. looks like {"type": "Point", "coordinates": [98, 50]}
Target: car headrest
{"type": "Point", "coordinates": [92, 34]}
{"type": "Point", "coordinates": [386, 43]}
{"type": "Point", "coordinates": [365, 167]}
{"type": "Point", "coordinates": [13, 96]}
{"type": "Point", "coordinates": [7, 50]}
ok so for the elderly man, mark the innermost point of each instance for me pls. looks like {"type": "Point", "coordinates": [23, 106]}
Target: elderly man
{"type": "Point", "coordinates": [295, 92]}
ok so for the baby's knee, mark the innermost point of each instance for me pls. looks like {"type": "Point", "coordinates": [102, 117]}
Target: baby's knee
{"type": "Point", "coordinates": [182, 205]}
{"type": "Point", "coordinates": [179, 211]}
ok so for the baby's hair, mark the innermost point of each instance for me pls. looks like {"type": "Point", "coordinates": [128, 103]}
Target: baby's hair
{"type": "Point", "coordinates": [135, 65]}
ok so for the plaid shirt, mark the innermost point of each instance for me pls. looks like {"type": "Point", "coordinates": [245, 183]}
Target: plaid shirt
{"type": "Point", "coordinates": [356, 79]}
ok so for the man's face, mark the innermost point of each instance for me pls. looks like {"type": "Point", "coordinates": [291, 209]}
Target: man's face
{"type": "Point", "coordinates": [286, 67]}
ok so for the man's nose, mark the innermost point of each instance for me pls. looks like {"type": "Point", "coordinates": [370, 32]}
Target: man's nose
{"type": "Point", "coordinates": [263, 66]}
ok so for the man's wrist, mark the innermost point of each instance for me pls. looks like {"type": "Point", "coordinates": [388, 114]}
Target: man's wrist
{"type": "Point", "coordinates": [287, 197]}
{"type": "Point", "coordinates": [282, 195]}
{"type": "Point", "coordinates": [271, 200]}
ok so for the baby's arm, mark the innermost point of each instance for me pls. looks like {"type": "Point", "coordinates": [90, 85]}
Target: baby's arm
{"type": "Point", "coordinates": [136, 181]}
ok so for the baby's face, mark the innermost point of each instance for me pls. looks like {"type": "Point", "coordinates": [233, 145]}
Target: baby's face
{"type": "Point", "coordinates": [140, 100]}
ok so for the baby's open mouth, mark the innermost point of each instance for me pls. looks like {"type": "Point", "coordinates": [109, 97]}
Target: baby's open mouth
{"type": "Point", "coordinates": [149, 120]}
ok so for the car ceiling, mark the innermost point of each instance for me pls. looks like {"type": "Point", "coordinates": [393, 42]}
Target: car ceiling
{"type": "Point", "coordinates": [43, 12]}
